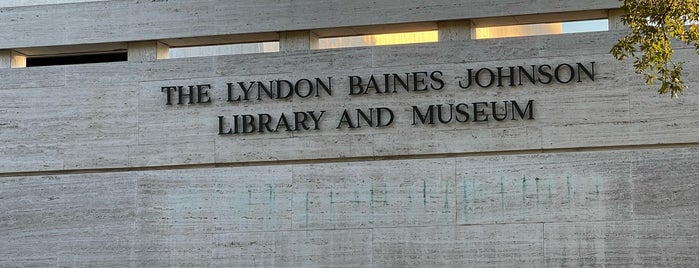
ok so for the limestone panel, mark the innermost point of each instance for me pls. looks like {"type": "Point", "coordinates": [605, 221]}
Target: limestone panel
{"type": "Point", "coordinates": [518, 245]}
{"type": "Point", "coordinates": [87, 156]}
{"type": "Point", "coordinates": [246, 249]}
{"type": "Point", "coordinates": [163, 154]}
{"type": "Point", "coordinates": [660, 119]}
{"type": "Point", "coordinates": [191, 249]}
{"type": "Point", "coordinates": [665, 184]}
{"type": "Point", "coordinates": [657, 243]}
{"type": "Point", "coordinates": [174, 123]}
{"type": "Point", "coordinates": [233, 149]}
{"type": "Point", "coordinates": [317, 248]}
{"type": "Point", "coordinates": [472, 140]}
{"type": "Point", "coordinates": [322, 248]}
{"type": "Point", "coordinates": [215, 200]}
{"type": "Point", "coordinates": [16, 157]}
{"type": "Point", "coordinates": [374, 194]}
{"type": "Point", "coordinates": [545, 188]}
{"type": "Point", "coordinates": [600, 186]}
{"type": "Point", "coordinates": [30, 262]}
{"type": "Point", "coordinates": [21, 78]}
{"type": "Point", "coordinates": [185, 214]}
{"type": "Point", "coordinates": [67, 220]}
{"type": "Point", "coordinates": [75, 127]}
{"type": "Point", "coordinates": [101, 75]}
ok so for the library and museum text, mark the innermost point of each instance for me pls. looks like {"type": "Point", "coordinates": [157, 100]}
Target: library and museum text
{"type": "Point", "coordinates": [391, 86]}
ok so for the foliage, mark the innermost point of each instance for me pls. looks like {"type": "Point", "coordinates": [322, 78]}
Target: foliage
{"type": "Point", "coordinates": [653, 24]}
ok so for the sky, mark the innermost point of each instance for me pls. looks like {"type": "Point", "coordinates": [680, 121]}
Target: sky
{"type": "Point", "coordinates": [585, 26]}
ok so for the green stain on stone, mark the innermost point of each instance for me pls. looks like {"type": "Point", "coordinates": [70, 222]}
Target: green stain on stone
{"type": "Point", "coordinates": [502, 197]}
{"type": "Point", "coordinates": [446, 195]}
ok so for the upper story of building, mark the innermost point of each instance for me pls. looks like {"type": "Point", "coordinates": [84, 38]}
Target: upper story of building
{"type": "Point", "coordinates": [117, 111]}
{"type": "Point", "coordinates": [32, 29]}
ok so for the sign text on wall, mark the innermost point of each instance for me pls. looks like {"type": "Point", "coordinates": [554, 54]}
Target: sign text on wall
{"type": "Point", "coordinates": [376, 85]}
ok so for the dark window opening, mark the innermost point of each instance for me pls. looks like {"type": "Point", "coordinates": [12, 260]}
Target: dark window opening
{"type": "Point", "coordinates": [76, 59]}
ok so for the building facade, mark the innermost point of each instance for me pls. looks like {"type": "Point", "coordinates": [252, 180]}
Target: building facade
{"type": "Point", "coordinates": [527, 151]}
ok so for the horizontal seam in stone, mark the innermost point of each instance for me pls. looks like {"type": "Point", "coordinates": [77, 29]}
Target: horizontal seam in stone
{"type": "Point", "coordinates": [354, 159]}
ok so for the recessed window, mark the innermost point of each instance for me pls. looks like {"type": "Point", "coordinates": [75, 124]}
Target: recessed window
{"type": "Point", "coordinates": [542, 29]}
{"type": "Point", "coordinates": [379, 39]}
{"type": "Point", "coordinates": [229, 49]}
{"type": "Point", "coordinates": [518, 30]}
{"type": "Point", "coordinates": [35, 61]}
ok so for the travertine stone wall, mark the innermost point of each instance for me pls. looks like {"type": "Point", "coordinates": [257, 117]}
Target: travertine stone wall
{"type": "Point", "coordinates": [616, 207]}
{"type": "Point", "coordinates": [97, 171]}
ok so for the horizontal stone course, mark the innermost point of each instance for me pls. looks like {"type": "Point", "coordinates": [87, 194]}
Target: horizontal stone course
{"type": "Point", "coordinates": [114, 115]}
{"type": "Point", "coordinates": [588, 208]}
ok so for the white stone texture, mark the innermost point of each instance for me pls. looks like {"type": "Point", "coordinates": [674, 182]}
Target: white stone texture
{"type": "Point", "coordinates": [96, 171]}
{"type": "Point", "coordinates": [624, 207]}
